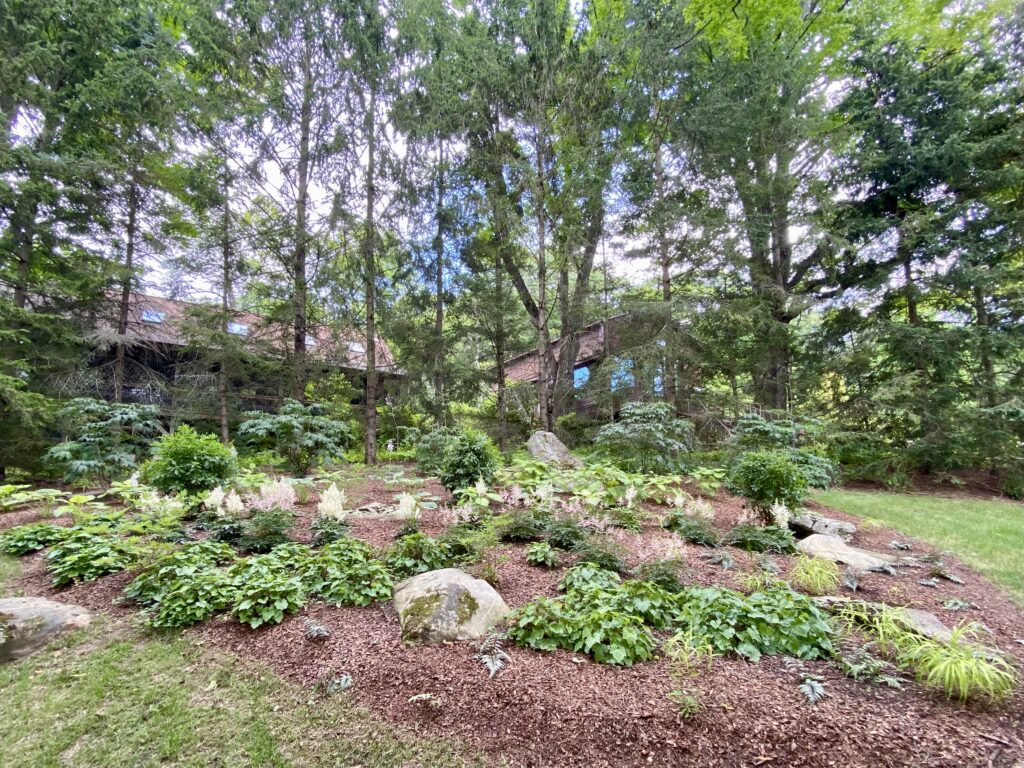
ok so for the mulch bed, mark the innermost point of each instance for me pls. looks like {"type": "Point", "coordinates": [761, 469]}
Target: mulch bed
{"type": "Point", "coordinates": [561, 709]}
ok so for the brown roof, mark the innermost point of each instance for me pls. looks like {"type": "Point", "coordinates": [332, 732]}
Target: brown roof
{"type": "Point", "coordinates": [159, 320]}
{"type": "Point", "coordinates": [592, 343]}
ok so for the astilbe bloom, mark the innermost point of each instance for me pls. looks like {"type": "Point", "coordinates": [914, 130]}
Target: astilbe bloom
{"type": "Point", "coordinates": [276, 495]}
{"type": "Point", "coordinates": [214, 500]}
{"type": "Point", "coordinates": [234, 505]}
{"type": "Point", "coordinates": [332, 503]}
{"type": "Point", "coordinates": [409, 507]}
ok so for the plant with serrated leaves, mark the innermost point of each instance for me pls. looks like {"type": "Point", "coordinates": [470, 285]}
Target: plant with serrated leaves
{"type": "Point", "coordinates": [417, 553]}
{"type": "Point", "coordinates": [667, 574]}
{"type": "Point", "coordinates": [328, 529]}
{"type": "Point", "coordinates": [164, 574]}
{"type": "Point", "coordinates": [601, 552]}
{"type": "Point", "coordinates": [192, 598]}
{"type": "Point", "coordinates": [851, 579]}
{"type": "Point", "coordinates": [338, 684]}
{"type": "Point", "coordinates": [23, 539]}
{"type": "Point", "coordinates": [108, 440]}
{"type": "Point", "coordinates": [492, 654]}
{"type": "Point", "coordinates": [692, 529]}
{"type": "Point", "coordinates": [815, 575]}
{"type": "Point", "coordinates": [265, 590]}
{"type": "Point", "coordinates": [761, 538]}
{"type": "Point", "coordinates": [646, 436]}
{"type": "Point", "coordinates": [266, 529]}
{"type": "Point", "coordinates": [860, 664]}
{"type": "Point", "coordinates": [565, 533]}
{"type": "Point", "coordinates": [521, 526]}
{"type": "Point", "coordinates": [813, 689]}
{"type": "Point", "coordinates": [468, 459]}
{"type": "Point", "coordinates": [587, 575]}
{"type": "Point", "coordinates": [720, 558]}
{"type": "Point", "coordinates": [85, 556]}
{"type": "Point", "coordinates": [301, 434]}
{"type": "Point", "coordinates": [541, 553]}
{"type": "Point", "coordinates": [346, 573]}
{"type": "Point", "coordinates": [956, 604]}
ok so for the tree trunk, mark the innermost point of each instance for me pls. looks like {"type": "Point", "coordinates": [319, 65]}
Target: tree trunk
{"type": "Point", "coordinates": [225, 307]}
{"type": "Point", "coordinates": [439, 393]}
{"type": "Point", "coordinates": [499, 352]}
{"type": "Point", "coordinates": [126, 291]}
{"type": "Point", "coordinates": [370, 268]}
{"type": "Point", "coordinates": [301, 235]}
{"type": "Point", "coordinates": [541, 319]}
{"type": "Point", "coordinates": [664, 259]}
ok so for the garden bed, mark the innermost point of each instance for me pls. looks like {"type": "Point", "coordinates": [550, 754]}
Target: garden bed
{"type": "Point", "coordinates": [563, 709]}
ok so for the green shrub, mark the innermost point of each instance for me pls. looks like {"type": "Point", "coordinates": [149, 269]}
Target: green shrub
{"type": "Point", "coordinates": [692, 529]}
{"type": "Point", "coordinates": [171, 571]}
{"type": "Point", "coordinates": [268, 587]}
{"type": "Point", "coordinates": [521, 526]}
{"type": "Point", "coordinates": [328, 529]}
{"type": "Point", "coordinates": [587, 575]}
{"type": "Point", "coordinates": [192, 599]}
{"type": "Point", "coordinates": [33, 537]}
{"type": "Point", "coordinates": [815, 575]}
{"type": "Point", "coordinates": [565, 533]}
{"type": "Point", "coordinates": [610, 636]}
{"type": "Point", "coordinates": [646, 436]}
{"type": "Point", "coordinates": [541, 553]}
{"type": "Point", "coordinates": [108, 440]}
{"type": "Point", "coordinates": [777, 620]}
{"type": "Point", "coordinates": [642, 600]}
{"type": "Point", "coordinates": [300, 434]}
{"type": "Point", "coordinates": [601, 555]}
{"type": "Point", "coordinates": [667, 574]}
{"type": "Point", "coordinates": [266, 529]}
{"type": "Point", "coordinates": [185, 460]}
{"type": "Point", "coordinates": [84, 556]}
{"type": "Point", "coordinates": [766, 478]}
{"type": "Point", "coordinates": [345, 573]}
{"type": "Point", "coordinates": [417, 553]}
{"type": "Point", "coordinates": [431, 447]}
{"type": "Point", "coordinates": [468, 459]}
{"type": "Point", "coordinates": [818, 471]}
{"type": "Point", "coordinates": [761, 538]}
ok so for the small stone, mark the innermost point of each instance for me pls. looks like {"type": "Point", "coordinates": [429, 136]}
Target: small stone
{"type": "Point", "coordinates": [837, 550]}
{"type": "Point", "coordinates": [807, 524]}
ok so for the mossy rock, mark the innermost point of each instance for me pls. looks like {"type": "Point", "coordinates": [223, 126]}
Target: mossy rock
{"type": "Point", "coordinates": [447, 604]}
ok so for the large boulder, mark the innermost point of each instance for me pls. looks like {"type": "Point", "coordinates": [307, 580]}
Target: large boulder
{"type": "Point", "coordinates": [447, 604]}
{"type": "Point", "coordinates": [835, 549]}
{"type": "Point", "coordinates": [546, 447]}
{"type": "Point", "coordinates": [807, 524]}
{"type": "Point", "coordinates": [29, 623]}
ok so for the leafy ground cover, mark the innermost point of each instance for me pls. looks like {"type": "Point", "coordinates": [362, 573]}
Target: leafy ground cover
{"type": "Point", "coordinates": [989, 535]}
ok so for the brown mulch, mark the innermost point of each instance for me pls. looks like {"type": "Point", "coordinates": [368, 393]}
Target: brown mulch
{"type": "Point", "coordinates": [561, 709]}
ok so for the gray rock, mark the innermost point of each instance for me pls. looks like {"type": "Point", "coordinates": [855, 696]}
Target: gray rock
{"type": "Point", "coordinates": [29, 623]}
{"type": "Point", "coordinates": [545, 446]}
{"type": "Point", "coordinates": [807, 524]}
{"type": "Point", "coordinates": [837, 550]}
{"type": "Point", "coordinates": [375, 510]}
{"type": "Point", "coordinates": [447, 604]}
{"type": "Point", "coordinates": [916, 620]}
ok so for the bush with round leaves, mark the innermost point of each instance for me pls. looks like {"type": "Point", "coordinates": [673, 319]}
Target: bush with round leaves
{"type": "Point", "coordinates": [766, 478]}
{"type": "Point", "coordinates": [468, 459]}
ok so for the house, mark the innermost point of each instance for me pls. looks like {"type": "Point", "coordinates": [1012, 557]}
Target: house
{"type": "Point", "coordinates": [168, 362]}
{"type": "Point", "coordinates": [610, 365]}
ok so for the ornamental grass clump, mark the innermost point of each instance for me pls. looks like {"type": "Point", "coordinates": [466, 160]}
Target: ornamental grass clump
{"type": "Point", "coordinates": [815, 575]}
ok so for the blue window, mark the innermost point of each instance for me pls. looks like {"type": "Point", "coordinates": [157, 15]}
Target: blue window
{"type": "Point", "coordinates": [659, 385]}
{"type": "Point", "coordinates": [622, 376]}
{"type": "Point", "coordinates": [580, 377]}
{"type": "Point", "coordinates": [153, 316]}
{"type": "Point", "coordinates": [239, 329]}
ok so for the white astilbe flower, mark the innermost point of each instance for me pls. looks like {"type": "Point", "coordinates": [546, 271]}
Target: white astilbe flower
{"type": "Point", "coordinates": [276, 495]}
{"type": "Point", "coordinates": [233, 504]}
{"type": "Point", "coordinates": [408, 506]}
{"type": "Point", "coordinates": [701, 508]}
{"type": "Point", "coordinates": [679, 500]}
{"type": "Point", "coordinates": [214, 500]}
{"type": "Point", "coordinates": [480, 487]}
{"type": "Point", "coordinates": [780, 515]}
{"type": "Point", "coordinates": [332, 503]}
{"type": "Point", "coordinates": [629, 497]}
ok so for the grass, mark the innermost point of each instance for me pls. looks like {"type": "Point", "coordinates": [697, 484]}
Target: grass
{"type": "Point", "coordinates": [110, 697]}
{"type": "Point", "coordinates": [987, 535]}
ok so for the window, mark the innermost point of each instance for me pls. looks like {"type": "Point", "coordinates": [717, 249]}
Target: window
{"type": "Point", "coordinates": [622, 376]}
{"type": "Point", "coordinates": [580, 377]}
{"type": "Point", "coordinates": [310, 340]}
{"type": "Point", "coordinates": [356, 348]}
{"type": "Point", "coordinates": [659, 384]}
{"type": "Point", "coordinates": [239, 329]}
{"type": "Point", "coordinates": [153, 316]}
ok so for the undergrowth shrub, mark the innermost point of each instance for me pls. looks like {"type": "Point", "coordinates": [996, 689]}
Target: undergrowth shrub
{"type": "Point", "coordinates": [646, 436]}
{"type": "Point", "coordinates": [667, 574]}
{"type": "Point", "coordinates": [601, 554]}
{"type": "Point", "coordinates": [431, 447]}
{"type": "Point", "coordinates": [761, 538]}
{"type": "Point", "coordinates": [586, 575]}
{"type": "Point", "coordinates": [301, 434]}
{"type": "Point", "coordinates": [468, 459]}
{"type": "Point", "coordinates": [541, 553]}
{"type": "Point", "coordinates": [326, 530]}
{"type": "Point", "coordinates": [265, 529]}
{"type": "Point", "coordinates": [776, 620]}
{"type": "Point", "coordinates": [521, 526]}
{"type": "Point", "coordinates": [23, 539]}
{"type": "Point", "coordinates": [692, 529]}
{"type": "Point", "coordinates": [416, 553]}
{"type": "Point", "coordinates": [346, 573]}
{"type": "Point", "coordinates": [169, 572]}
{"type": "Point", "coordinates": [185, 460]}
{"type": "Point", "coordinates": [565, 533]}
{"type": "Point", "coordinates": [84, 556]}
{"type": "Point", "coordinates": [766, 478]}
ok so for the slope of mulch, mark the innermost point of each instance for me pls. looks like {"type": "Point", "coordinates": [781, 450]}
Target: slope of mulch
{"type": "Point", "coordinates": [561, 709]}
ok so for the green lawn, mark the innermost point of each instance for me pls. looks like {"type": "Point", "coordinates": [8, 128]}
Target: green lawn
{"type": "Point", "coordinates": [110, 696]}
{"type": "Point", "coordinates": [988, 535]}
